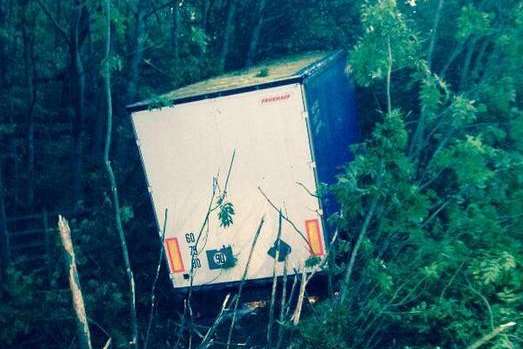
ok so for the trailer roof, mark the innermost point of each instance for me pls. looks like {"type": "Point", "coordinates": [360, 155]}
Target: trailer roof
{"type": "Point", "coordinates": [266, 74]}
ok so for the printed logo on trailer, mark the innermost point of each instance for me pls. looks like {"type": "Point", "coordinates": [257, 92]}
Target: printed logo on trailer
{"type": "Point", "coordinates": [276, 98]}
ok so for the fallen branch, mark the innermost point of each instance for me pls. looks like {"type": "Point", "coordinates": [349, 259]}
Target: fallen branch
{"type": "Point", "coordinates": [301, 296]}
{"type": "Point", "coordinates": [282, 305]}
{"type": "Point", "coordinates": [489, 336]}
{"type": "Point", "coordinates": [207, 340]}
{"type": "Point", "coordinates": [285, 218]}
{"type": "Point", "coordinates": [274, 282]}
{"type": "Point", "coordinates": [84, 336]}
{"type": "Point", "coordinates": [242, 281]}
{"type": "Point", "coordinates": [153, 287]}
{"type": "Point", "coordinates": [305, 280]}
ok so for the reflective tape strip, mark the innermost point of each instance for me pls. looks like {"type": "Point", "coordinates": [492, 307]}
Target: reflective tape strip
{"type": "Point", "coordinates": [312, 227]}
{"type": "Point", "coordinates": [174, 255]}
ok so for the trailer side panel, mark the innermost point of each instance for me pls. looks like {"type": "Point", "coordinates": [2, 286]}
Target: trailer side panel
{"type": "Point", "coordinates": [332, 121]}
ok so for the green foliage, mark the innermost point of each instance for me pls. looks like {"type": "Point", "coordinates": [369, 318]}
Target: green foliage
{"type": "Point", "coordinates": [472, 21]}
{"type": "Point", "coordinates": [263, 73]}
{"type": "Point", "coordinates": [312, 262]}
{"type": "Point", "coordinates": [226, 214]}
{"type": "Point", "coordinates": [440, 265]}
{"type": "Point", "coordinates": [24, 307]}
{"type": "Point", "coordinates": [469, 159]}
{"type": "Point", "coordinates": [384, 27]}
{"type": "Point", "coordinates": [158, 102]}
{"type": "Point", "coordinates": [127, 214]}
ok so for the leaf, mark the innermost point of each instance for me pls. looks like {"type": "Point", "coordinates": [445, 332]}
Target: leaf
{"type": "Point", "coordinates": [127, 213]}
{"type": "Point", "coordinates": [384, 25]}
{"type": "Point", "coordinates": [472, 21]}
{"type": "Point", "coordinates": [225, 214]}
{"type": "Point", "coordinates": [312, 261]}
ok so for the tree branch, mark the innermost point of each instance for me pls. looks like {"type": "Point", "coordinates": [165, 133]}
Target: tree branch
{"type": "Point", "coordinates": [285, 218]}
{"type": "Point", "coordinates": [242, 282]}
{"type": "Point", "coordinates": [355, 250]}
{"type": "Point", "coordinates": [389, 72]}
{"type": "Point", "coordinates": [434, 33]}
{"type": "Point", "coordinates": [489, 336]}
{"type": "Point", "coordinates": [156, 276]}
{"type": "Point", "coordinates": [53, 20]}
{"type": "Point", "coordinates": [112, 179]}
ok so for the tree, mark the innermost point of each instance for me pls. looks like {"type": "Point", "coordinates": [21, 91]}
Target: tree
{"type": "Point", "coordinates": [430, 248]}
{"type": "Point", "coordinates": [227, 34]}
{"type": "Point", "coordinates": [107, 66]}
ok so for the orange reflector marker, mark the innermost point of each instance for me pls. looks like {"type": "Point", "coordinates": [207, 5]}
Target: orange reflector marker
{"type": "Point", "coordinates": [175, 257]}
{"type": "Point", "coordinates": [312, 227]}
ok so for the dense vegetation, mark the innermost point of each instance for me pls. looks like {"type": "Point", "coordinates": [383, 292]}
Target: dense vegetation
{"type": "Point", "coordinates": [431, 219]}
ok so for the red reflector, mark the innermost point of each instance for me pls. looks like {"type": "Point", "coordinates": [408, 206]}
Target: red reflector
{"type": "Point", "coordinates": [312, 227]}
{"type": "Point", "coordinates": [174, 255]}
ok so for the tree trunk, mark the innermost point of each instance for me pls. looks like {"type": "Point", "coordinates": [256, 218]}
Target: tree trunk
{"type": "Point", "coordinates": [78, 94]}
{"type": "Point", "coordinates": [29, 72]}
{"type": "Point", "coordinates": [206, 6]}
{"type": "Point", "coordinates": [14, 155]}
{"type": "Point", "coordinates": [361, 236]}
{"type": "Point", "coordinates": [3, 46]}
{"type": "Point", "coordinates": [253, 46]}
{"type": "Point", "coordinates": [466, 64]}
{"type": "Point", "coordinates": [175, 24]}
{"type": "Point", "coordinates": [434, 35]}
{"type": "Point", "coordinates": [112, 181]}
{"type": "Point", "coordinates": [228, 32]}
{"type": "Point", "coordinates": [84, 336]}
{"type": "Point", "coordinates": [137, 57]}
{"type": "Point", "coordinates": [5, 248]}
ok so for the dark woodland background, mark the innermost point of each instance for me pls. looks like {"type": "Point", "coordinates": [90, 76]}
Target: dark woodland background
{"type": "Point", "coordinates": [431, 209]}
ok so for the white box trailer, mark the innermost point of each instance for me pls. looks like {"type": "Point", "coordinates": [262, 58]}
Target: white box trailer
{"type": "Point", "coordinates": [267, 137]}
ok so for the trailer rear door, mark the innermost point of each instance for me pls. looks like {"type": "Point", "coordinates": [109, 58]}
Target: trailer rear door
{"type": "Point", "coordinates": [185, 146]}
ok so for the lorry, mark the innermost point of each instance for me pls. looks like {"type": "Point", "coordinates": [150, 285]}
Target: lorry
{"type": "Point", "coordinates": [238, 162]}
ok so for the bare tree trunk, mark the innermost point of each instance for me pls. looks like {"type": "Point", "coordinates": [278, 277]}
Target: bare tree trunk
{"type": "Point", "coordinates": [3, 45]}
{"type": "Point", "coordinates": [301, 297]}
{"type": "Point", "coordinates": [434, 35]}
{"type": "Point", "coordinates": [452, 57]}
{"type": "Point", "coordinates": [153, 287]}
{"type": "Point", "coordinates": [30, 161]}
{"type": "Point", "coordinates": [29, 72]}
{"type": "Point", "coordinates": [175, 25]}
{"type": "Point", "coordinates": [228, 32]}
{"type": "Point", "coordinates": [466, 65]}
{"type": "Point", "coordinates": [206, 6]}
{"type": "Point", "coordinates": [112, 180]}
{"type": "Point", "coordinates": [478, 62]}
{"type": "Point", "coordinates": [253, 46]}
{"type": "Point", "coordinates": [363, 232]}
{"type": "Point", "coordinates": [138, 47]}
{"type": "Point", "coordinates": [4, 234]}
{"type": "Point", "coordinates": [78, 74]}
{"type": "Point", "coordinates": [84, 336]}
{"type": "Point", "coordinates": [13, 154]}
{"type": "Point", "coordinates": [274, 282]}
